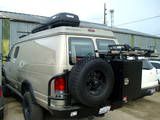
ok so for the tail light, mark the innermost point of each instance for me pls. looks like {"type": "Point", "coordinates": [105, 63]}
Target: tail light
{"type": "Point", "coordinates": [59, 84]}
{"type": "Point", "coordinates": [59, 88]}
{"type": "Point", "coordinates": [1, 93]}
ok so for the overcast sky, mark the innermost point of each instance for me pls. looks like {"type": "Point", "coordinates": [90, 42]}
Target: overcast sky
{"type": "Point", "coordinates": [126, 11]}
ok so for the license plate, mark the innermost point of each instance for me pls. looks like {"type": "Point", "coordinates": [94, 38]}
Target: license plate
{"type": "Point", "coordinates": [104, 109]}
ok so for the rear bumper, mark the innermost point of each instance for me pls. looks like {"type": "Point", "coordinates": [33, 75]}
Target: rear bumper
{"type": "Point", "coordinates": [149, 91]}
{"type": "Point", "coordinates": [75, 112]}
{"type": "Point", "coordinates": [79, 111]}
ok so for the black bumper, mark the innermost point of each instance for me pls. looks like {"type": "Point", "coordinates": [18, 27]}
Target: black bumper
{"type": "Point", "coordinates": [82, 112]}
{"type": "Point", "coordinates": [148, 91]}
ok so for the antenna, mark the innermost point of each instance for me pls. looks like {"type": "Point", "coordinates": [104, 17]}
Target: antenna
{"type": "Point", "coordinates": [105, 13]}
{"type": "Point", "coordinates": [112, 17]}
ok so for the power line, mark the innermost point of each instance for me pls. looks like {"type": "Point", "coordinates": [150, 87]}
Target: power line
{"type": "Point", "coordinates": [144, 19]}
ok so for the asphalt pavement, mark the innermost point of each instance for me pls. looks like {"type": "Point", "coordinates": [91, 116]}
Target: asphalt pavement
{"type": "Point", "coordinates": [147, 108]}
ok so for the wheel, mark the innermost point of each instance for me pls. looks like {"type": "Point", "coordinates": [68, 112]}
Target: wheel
{"type": "Point", "coordinates": [91, 81]}
{"type": "Point", "coordinates": [31, 110]}
{"type": "Point", "coordinates": [6, 91]}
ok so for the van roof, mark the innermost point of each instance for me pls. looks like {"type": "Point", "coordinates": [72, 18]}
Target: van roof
{"type": "Point", "coordinates": [70, 31]}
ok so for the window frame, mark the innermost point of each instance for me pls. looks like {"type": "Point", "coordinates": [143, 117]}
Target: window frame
{"type": "Point", "coordinates": [69, 46]}
{"type": "Point", "coordinates": [100, 39]}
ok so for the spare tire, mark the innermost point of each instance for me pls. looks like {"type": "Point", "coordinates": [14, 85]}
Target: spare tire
{"type": "Point", "coordinates": [91, 81]}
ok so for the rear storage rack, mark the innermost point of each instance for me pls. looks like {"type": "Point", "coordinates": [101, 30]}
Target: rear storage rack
{"type": "Point", "coordinates": [125, 51]}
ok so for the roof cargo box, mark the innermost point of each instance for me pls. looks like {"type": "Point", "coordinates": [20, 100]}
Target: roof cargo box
{"type": "Point", "coordinates": [61, 19]}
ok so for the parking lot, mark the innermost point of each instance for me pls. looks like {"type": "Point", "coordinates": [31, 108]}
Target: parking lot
{"type": "Point", "coordinates": [147, 108]}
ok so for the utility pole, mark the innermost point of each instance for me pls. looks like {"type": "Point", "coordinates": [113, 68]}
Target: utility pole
{"type": "Point", "coordinates": [112, 17]}
{"type": "Point", "coordinates": [105, 13]}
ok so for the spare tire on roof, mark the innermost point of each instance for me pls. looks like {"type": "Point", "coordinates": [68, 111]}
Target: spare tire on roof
{"type": "Point", "coordinates": [91, 81]}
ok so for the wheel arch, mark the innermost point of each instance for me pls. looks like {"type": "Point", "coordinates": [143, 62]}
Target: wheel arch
{"type": "Point", "coordinates": [27, 87]}
{"type": "Point", "coordinates": [77, 81]}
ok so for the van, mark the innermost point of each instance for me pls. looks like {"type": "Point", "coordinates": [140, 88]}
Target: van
{"type": "Point", "coordinates": [59, 68]}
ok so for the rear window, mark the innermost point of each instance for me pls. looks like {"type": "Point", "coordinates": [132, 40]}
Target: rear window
{"type": "Point", "coordinates": [79, 48]}
{"type": "Point", "coordinates": [102, 44]}
{"type": "Point", "coordinates": [147, 65]}
{"type": "Point", "coordinates": [156, 65]}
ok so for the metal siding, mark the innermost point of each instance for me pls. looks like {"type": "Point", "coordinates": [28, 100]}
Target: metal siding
{"type": "Point", "coordinates": [18, 29]}
{"type": "Point", "coordinates": [13, 29]}
{"type": "Point", "coordinates": [123, 38]}
{"type": "Point", "coordinates": [139, 41]}
{"type": "Point", "coordinates": [5, 37]}
{"type": "Point", "coordinates": [158, 45]}
{"type": "Point", "coordinates": [132, 41]}
{"type": "Point", "coordinates": [151, 44]}
{"type": "Point", "coordinates": [115, 29]}
{"type": "Point", "coordinates": [31, 26]}
{"type": "Point", "coordinates": [23, 17]}
{"type": "Point", "coordinates": [144, 42]}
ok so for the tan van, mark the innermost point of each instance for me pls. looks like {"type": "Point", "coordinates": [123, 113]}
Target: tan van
{"type": "Point", "coordinates": [58, 68]}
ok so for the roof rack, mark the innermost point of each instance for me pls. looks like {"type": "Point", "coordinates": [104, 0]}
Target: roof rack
{"type": "Point", "coordinates": [61, 19]}
{"type": "Point", "coordinates": [125, 50]}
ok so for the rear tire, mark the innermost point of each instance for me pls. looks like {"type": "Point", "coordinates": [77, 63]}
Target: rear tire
{"type": "Point", "coordinates": [6, 91]}
{"type": "Point", "coordinates": [91, 81]}
{"type": "Point", "coordinates": [31, 110]}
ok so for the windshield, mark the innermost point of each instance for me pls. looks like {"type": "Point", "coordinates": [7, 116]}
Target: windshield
{"type": "Point", "coordinates": [156, 65]}
{"type": "Point", "coordinates": [80, 47]}
{"type": "Point", "coordinates": [102, 44]}
{"type": "Point", "coordinates": [147, 65]}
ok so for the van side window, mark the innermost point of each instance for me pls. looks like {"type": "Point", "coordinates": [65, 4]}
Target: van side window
{"type": "Point", "coordinates": [79, 48]}
{"type": "Point", "coordinates": [102, 44]}
{"type": "Point", "coordinates": [16, 52]}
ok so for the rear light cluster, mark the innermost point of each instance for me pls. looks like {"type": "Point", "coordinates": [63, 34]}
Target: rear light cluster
{"type": "Point", "coordinates": [59, 88]}
{"type": "Point", "coordinates": [59, 84]}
